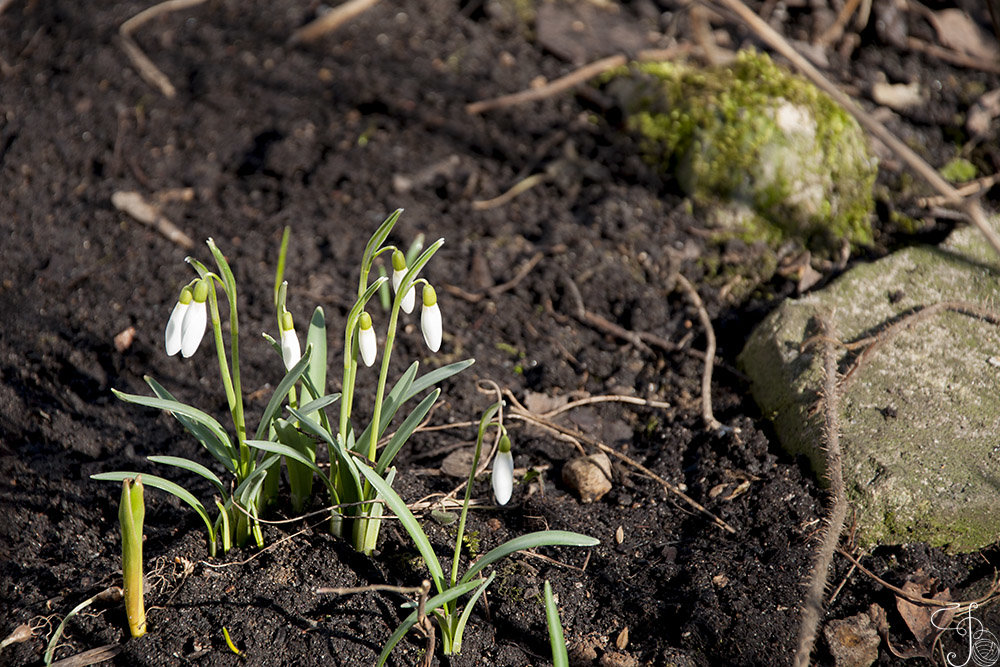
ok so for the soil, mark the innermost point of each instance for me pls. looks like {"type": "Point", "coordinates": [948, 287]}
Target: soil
{"type": "Point", "coordinates": [329, 138]}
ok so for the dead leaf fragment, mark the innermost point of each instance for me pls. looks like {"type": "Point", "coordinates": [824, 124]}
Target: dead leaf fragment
{"type": "Point", "coordinates": [898, 96]}
{"type": "Point", "coordinates": [920, 619]}
{"type": "Point", "coordinates": [980, 120]}
{"type": "Point", "coordinates": [956, 30]}
{"type": "Point", "coordinates": [622, 641]}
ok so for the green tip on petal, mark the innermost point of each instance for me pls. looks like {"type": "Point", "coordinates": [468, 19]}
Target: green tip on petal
{"type": "Point", "coordinates": [430, 296]}
{"type": "Point", "coordinates": [287, 323]}
{"type": "Point", "coordinates": [200, 291]}
{"type": "Point", "coordinates": [186, 296]}
{"type": "Point", "coordinates": [398, 260]}
{"type": "Point", "coordinates": [365, 321]}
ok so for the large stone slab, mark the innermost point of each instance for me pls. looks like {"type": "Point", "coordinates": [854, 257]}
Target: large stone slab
{"type": "Point", "coordinates": [920, 422]}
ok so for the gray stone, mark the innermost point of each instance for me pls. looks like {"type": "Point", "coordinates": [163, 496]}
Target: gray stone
{"type": "Point", "coordinates": [920, 421]}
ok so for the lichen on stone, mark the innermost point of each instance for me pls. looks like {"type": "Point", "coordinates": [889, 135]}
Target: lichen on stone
{"type": "Point", "coordinates": [765, 153]}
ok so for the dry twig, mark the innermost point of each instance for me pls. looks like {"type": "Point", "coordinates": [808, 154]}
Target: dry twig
{"type": "Point", "coordinates": [330, 21]}
{"type": "Point", "coordinates": [711, 423]}
{"type": "Point", "coordinates": [150, 72]}
{"type": "Point", "coordinates": [571, 80]}
{"type": "Point", "coordinates": [812, 606]}
{"type": "Point", "coordinates": [136, 206]}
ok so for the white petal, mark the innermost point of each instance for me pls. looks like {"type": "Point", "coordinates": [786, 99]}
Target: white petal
{"type": "Point", "coordinates": [430, 325]}
{"type": "Point", "coordinates": [397, 277]}
{"type": "Point", "coordinates": [410, 299]}
{"type": "Point", "coordinates": [173, 333]}
{"type": "Point", "coordinates": [290, 351]}
{"type": "Point", "coordinates": [503, 477]}
{"type": "Point", "coordinates": [193, 328]}
{"type": "Point", "coordinates": [367, 345]}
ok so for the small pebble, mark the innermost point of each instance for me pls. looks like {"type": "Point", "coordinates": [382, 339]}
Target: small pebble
{"type": "Point", "coordinates": [589, 476]}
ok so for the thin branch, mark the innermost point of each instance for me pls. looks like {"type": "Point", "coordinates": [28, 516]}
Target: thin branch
{"type": "Point", "coordinates": [135, 205]}
{"type": "Point", "coordinates": [147, 70]}
{"type": "Point", "coordinates": [571, 80]}
{"type": "Point", "coordinates": [330, 21]}
{"type": "Point", "coordinates": [711, 423]}
{"type": "Point", "coordinates": [812, 606]}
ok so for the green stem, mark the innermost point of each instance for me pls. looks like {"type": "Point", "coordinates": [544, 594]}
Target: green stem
{"type": "Point", "coordinates": [220, 346]}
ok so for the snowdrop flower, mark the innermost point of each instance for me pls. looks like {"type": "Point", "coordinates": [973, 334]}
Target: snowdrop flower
{"type": "Point", "coordinates": [195, 320]}
{"type": "Point", "coordinates": [366, 339]}
{"type": "Point", "coordinates": [398, 271]}
{"type": "Point", "coordinates": [430, 319]}
{"type": "Point", "coordinates": [503, 472]}
{"type": "Point", "coordinates": [173, 333]}
{"type": "Point", "coordinates": [290, 351]}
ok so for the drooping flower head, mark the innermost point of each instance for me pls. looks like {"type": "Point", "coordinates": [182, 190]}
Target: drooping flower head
{"type": "Point", "coordinates": [430, 319]}
{"type": "Point", "coordinates": [503, 472]}
{"type": "Point", "coordinates": [195, 320]}
{"type": "Point", "coordinates": [290, 350]}
{"type": "Point", "coordinates": [367, 344]}
{"type": "Point", "coordinates": [398, 272]}
{"type": "Point", "coordinates": [173, 332]}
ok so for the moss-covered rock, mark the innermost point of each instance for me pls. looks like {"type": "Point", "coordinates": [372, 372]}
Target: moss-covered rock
{"type": "Point", "coordinates": [767, 154]}
{"type": "Point", "coordinates": [920, 420]}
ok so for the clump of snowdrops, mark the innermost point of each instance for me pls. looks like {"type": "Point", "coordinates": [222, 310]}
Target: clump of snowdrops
{"type": "Point", "coordinates": [295, 418]}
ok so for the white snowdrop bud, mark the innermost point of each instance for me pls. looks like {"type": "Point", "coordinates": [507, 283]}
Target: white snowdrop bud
{"type": "Point", "coordinates": [173, 332]}
{"type": "Point", "coordinates": [503, 472]}
{"type": "Point", "coordinates": [430, 319]}
{"type": "Point", "coordinates": [398, 271]}
{"type": "Point", "coordinates": [367, 344]}
{"type": "Point", "coordinates": [290, 350]}
{"type": "Point", "coordinates": [195, 320]}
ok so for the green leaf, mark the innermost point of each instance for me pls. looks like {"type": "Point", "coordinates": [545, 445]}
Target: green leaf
{"type": "Point", "coordinates": [191, 466]}
{"type": "Point", "coordinates": [405, 430]}
{"type": "Point", "coordinates": [542, 538]}
{"type": "Point", "coordinates": [319, 403]}
{"type": "Point", "coordinates": [344, 460]}
{"type": "Point", "coordinates": [279, 272]}
{"type": "Point", "coordinates": [437, 375]}
{"type": "Point", "coordinates": [281, 392]}
{"type": "Point", "coordinates": [316, 337]}
{"type": "Point", "coordinates": [560, 658]}
{"type": "Point", "coordinates": [409, 522]}
{"type": "Point", "coordinates": [390, 405]}
{"type": "Point", "coordinates": [248, 489]}
{"type": "Point", "coordinates": [456, 640]}
{"type": "Point", "coordinates": [163, 485]}
{"type": "Point", "coordinates": [432, 603]}
{"type": "Point", "coordinates": [379, 237]}
{"type": "Point", "coordinates": [290, 453]}
{"type": "Point", "coordinates": [222, 450]}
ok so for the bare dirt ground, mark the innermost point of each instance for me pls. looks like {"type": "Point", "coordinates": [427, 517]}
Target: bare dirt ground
{"type": "Point", "coordinates": [329, 137]}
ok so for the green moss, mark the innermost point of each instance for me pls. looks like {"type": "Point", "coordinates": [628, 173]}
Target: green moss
{"type": "Point", "coordinates": [958, 170]}
{"type": "Point", "coordinates": [751, 132]}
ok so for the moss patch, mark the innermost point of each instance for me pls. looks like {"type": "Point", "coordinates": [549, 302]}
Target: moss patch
{"type": "Point", "coordinates": [772, 152]}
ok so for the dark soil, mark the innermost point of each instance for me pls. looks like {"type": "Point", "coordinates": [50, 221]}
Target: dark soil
{"type": "Point", "coordinates": [323, 138]}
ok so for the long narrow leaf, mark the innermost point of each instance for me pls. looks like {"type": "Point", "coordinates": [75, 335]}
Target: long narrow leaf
{"type": "Point", "coordinates": [409, 522]}
{"type": "Point", "coordinates": [316, 338]}
{"type": "Point", "coordinates": [405, 430]}
{"type": "Point", "coordinates": [191, 466]}
{"type": "Point", "coordinates": [281, 392]}
{"type": "Point", "coordinates": [379, 237]}
{"type": "Point", "coordinates": [437, 375]}
{"type": "Point", "coordinates": [288, 452]}
{"type": "Point", "coordinates": [390, 405]}
{"type": "Point", "coordinates": [542, 538]}
{"type": "Point", "coordinates": [560, 658]}
{"type": "Point", "coordinates": [432, 603]}
{"type": "Point", "coordinates": [177, 408]}
{"type": "Point", "coordinates": [163, 485]}
{"type": "Point", "coordinates": [344, 461]}
{"type": "Point", "coordinates": [248, 489]}
{"type": "Point", "coordinates": [456, 639]}
{"type": "Point", "coordinates": [221, 450]}
{"type": "Point", "coordinates": [319, 403]}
